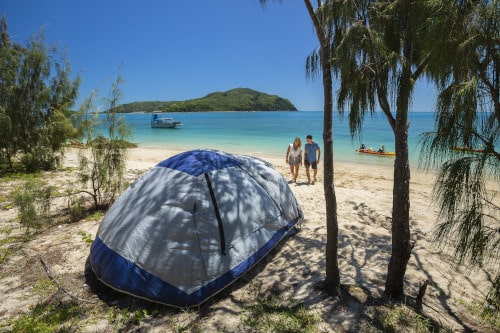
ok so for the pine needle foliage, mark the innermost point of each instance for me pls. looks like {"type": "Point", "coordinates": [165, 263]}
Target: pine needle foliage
{"type": "Point", "coordinates": [33, 201]}
{"type": "Point", "coordinates": [102, 162]}
{"type": "Point", "coordinates": [465, 146]}
{"type": "Point", "coordinates": [36, 94]}
{"type": "Point", "coordinates": [380, 52]}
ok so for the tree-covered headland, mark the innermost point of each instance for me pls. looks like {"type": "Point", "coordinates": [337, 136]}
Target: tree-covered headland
{"type": "Point", "coordinates": [239, 99]}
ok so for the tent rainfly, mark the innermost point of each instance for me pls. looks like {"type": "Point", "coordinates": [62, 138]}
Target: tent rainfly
{"type": "Point", "coordinates": [192, 225]}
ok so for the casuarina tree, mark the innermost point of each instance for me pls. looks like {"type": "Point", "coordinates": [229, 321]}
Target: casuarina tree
{"type": "Point", "coordinates": [466, 142]}
{"type": "Point", "coordinates": [321, 21]}
{"type": "Point", "coordinates": [380, 56]}
{"type": "Point", "coordinates": [36, 94]}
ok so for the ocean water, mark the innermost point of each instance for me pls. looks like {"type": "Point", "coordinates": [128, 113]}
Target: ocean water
{"type": "Point", "coordinates": [269, 133]}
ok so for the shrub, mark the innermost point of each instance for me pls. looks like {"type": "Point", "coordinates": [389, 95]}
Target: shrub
{"type": "Point", "coordinates": [33, 203]}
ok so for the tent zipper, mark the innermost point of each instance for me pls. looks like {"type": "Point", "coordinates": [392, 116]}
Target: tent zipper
{"type": "Point", "coordinates": [217, 215]}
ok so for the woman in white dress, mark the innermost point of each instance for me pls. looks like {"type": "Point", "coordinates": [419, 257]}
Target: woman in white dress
{"type": "Point", "coordinates": [294, 157]}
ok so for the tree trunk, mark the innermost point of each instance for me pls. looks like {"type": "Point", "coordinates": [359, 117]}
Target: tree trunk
{"type": "Point", "coordinates": [332, 227]}
{"type": "Point", "coordinates": [401, 246]}
{"type": "Point", "coordinates": [332, 281]}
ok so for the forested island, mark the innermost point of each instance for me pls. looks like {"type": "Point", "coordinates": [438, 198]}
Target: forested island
{"type": "Point", "coordinates": [239, 99]}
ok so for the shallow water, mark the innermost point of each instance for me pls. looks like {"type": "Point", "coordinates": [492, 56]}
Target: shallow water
{"type": "Point", "coordinates": [269, 133]}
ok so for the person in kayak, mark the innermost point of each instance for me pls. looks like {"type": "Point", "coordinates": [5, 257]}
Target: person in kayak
{"type": "Point", "coordinates": [381, 149]}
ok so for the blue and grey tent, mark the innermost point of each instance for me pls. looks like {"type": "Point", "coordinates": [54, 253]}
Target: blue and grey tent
{"type": "Point", "coordinates": [192, 225]}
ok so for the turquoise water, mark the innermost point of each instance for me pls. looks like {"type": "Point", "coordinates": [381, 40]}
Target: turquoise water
{"type": "Point", "coordinates": [269, 133]}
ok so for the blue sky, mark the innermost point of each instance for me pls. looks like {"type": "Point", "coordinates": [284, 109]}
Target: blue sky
{"type": "Point", "coordinates": [176, 50]}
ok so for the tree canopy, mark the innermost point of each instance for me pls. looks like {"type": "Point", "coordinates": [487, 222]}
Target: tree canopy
{"type": "Point", "coordinates": [466, 142]}
{"type": "Point", "coordinates": [36, 94]}
{"type": "Point", "coordinates": [381, 52]}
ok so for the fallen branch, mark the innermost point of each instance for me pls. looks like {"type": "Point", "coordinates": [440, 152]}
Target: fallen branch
{"type": "Point", "coordinates": [59, 287]}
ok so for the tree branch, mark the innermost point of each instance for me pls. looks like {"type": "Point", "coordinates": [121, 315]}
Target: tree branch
{"type": "Point", "coordinates": [421, 67]}
{"type": "Point", "coordinates": [59, 287]}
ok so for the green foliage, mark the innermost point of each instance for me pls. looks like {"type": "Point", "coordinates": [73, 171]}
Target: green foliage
{"type": "Point", "coordinates": [36, 95]}
{"type": "Point", "coordinates": [122, 318]}
{"type": "Point", "coordinates": [487, 315]}
{"type": "Point", "coordinates": [97, 215]}
{"type": "Point", "coordinates": [379, 50]}
{"type": "Point", "coordinates": [44, 286]}
{"type": "Point", "coordinates": [50, 317]}
{"type": "Point", "coordinates": [33, 202]}
{"type": "Point", "coordinates": [10, 244]}
{"type": "Point", "coordinates": [102, 163]}
{"type": "Point", "coordinates": [400, 318]}
{"type": "Point", "coordinates": [101, 140]}
{"type": "Point", "coordinates": [268, 315]}
{"type": "Point", "coordinates": [76, 207]}
{"type": "Point", "coordinates": [5, 134]}
{"type": "Point", "coordinates": [40, 158]}
{"type": "Point", "coordinates": [86, 237]}
{"type": "Point", "coordinates": [240, 99]}
{"type": "Point", "coordinates": [4, 254]}
{"type": "Point", "coordinates": [490, 308]}
{"type": "Point", "coordinates": [465, 69]}
{"type": "Point", "coordinates": [467, 213]}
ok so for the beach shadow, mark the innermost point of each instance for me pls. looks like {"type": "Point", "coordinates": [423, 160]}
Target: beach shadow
{"type": "Point", "coordinates": [375, 257]}
{"type": "Point", "coordinates": [443, 293]}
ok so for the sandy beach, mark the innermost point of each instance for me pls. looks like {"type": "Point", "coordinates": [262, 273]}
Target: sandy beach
{"type": "Point", "coordinates": [364, 195]}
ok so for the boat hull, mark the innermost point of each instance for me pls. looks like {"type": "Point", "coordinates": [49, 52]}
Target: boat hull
{"type": "Point", "coordinates": [165, 125]}
{"type": "Point", "coordinates": [158, 120]}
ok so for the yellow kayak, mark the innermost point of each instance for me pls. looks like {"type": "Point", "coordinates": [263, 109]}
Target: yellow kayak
{"type": "Point", "coordinates": [374, 152]}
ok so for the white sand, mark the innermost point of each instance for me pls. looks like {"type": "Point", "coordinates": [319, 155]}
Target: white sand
{"type": "Point", "coordinates": [364, 201]}
{"type": "Point", "coordinates": [364, 197]}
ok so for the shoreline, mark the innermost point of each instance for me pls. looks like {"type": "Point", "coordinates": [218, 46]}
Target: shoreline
{"type": "Point", "coordinates": [149, 157]}
{"type": "Point", "coordinates": [159, 154]}
{"type": "Point", "coordinates": [270, 133]}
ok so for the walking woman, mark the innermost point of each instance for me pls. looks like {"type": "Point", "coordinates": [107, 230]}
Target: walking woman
{"type": "Point", "coordinates": [294, 157]}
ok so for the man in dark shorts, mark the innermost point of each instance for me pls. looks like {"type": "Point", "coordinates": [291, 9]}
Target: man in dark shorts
{"type": "Point", "coordinates": [311, 159]}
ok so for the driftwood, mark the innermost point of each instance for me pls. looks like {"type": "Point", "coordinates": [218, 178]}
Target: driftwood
{"type": "Point", "coordinates": [59, 287]}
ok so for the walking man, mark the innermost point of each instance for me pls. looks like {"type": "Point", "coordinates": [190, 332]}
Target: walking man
{"type": "Point", "coordinates": [310, 158]}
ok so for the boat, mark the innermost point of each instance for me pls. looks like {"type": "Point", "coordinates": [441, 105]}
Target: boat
{"type": "Point", "coordinates": [158, 120]}
{"type": "Point", "coordinates": [374, 152]}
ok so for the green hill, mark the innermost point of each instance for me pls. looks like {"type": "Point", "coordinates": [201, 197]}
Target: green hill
{"type": "Point", "coordinates": [239, 99]}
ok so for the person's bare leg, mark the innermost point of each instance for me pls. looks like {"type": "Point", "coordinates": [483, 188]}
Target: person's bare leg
{"type": "Point", "coordinates": [296, 174]}
{"type": "Point", "coordinates": [307, 174]}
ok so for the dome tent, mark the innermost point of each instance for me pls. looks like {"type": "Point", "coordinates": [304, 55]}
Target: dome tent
{"type": "Point", "coordinates": [192, 225]}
